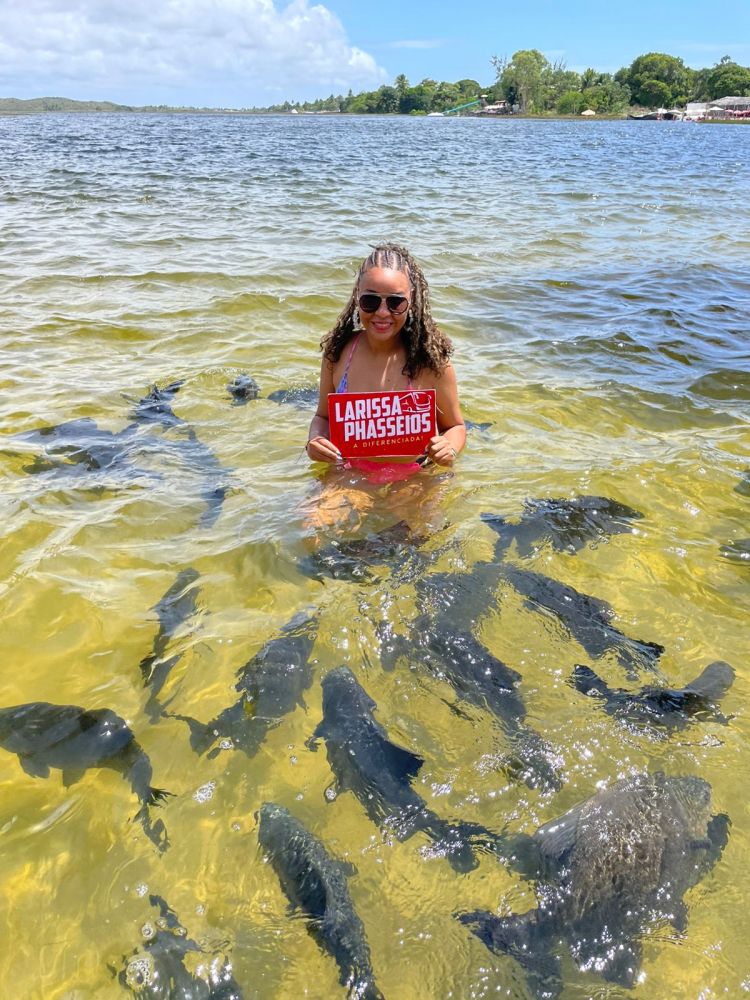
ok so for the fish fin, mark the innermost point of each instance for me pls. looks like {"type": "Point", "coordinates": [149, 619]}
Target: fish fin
{"type": "Point", "coordinates": [718, 834]}
{"type": "Point", "coordinates": [679, 916]}
{"type": "Point", "coordinates": [533, 761]}
{"type": "Point", "coordinates": [556, 838]}
{"type": "Point", "coordinates": [714, 682]}
{"type": "Point", "coordinates": [348, 868]}
{"type": "Point", "coordinates": [402, 762]}
{"type": "Point", "coordinates": [71, 775]}
{"type": "Point", "coordinates": [625, 964]}
{"type": "Point", "coordinates": [332, 791]}
{"type": "Point", "coordinates": [586, 681]}
{"type": "Point", "coordinates": [158, 796]}
{"type": "Point", "coordinates": [519, 937]}
{"type": "Point", "coordinates": [34, 767]}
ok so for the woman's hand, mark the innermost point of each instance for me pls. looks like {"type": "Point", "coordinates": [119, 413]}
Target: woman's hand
{"type": "Point", "coordinates": [320, 449]}
{"type": "Point", "coordinates": [441, 451]}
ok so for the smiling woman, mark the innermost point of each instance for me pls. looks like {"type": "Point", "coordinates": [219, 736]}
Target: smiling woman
{"type": "Point", "coordinates": [386, 339]}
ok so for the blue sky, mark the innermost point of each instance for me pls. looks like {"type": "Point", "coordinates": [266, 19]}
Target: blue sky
{"type": "Point", "coordinates": [237, 53]}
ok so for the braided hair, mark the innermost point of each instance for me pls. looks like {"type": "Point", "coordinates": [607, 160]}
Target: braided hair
{"type": "Point", "coordinates": [426, 346]}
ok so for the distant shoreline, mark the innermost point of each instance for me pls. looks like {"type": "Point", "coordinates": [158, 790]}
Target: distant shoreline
{"type": "Point", "coordinates": [17, 107]}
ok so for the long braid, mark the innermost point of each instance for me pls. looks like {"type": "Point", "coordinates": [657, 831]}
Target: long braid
{"type": "Point", "coordinates": [425, 345]}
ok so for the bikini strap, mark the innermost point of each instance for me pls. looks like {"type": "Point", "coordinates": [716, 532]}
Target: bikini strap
{"type": "Point", "coordinates": [343, 383]}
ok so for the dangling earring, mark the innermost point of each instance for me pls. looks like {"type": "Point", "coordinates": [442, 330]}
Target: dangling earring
{"type": "Point", "coordinates": [409, 321]}
{"type": "Point", "coordinates": [356, 320]}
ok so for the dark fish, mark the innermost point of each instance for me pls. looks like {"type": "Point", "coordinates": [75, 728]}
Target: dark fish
{"type": "Point", "coordinates": [588, 619]}
{"type": "Point", "coordinates": [315, 884]}
{"type": "Point", "coordinates": [271, 685]}
{"type": "Point", "coordinates": [606, 870]}
{"type": "Point", "coordinates": [353, 559]}
{"type": "Point", "coordinates": [302, 396]}
{"type": "Point", "coordinates": [156, 405]}
{"type": "Point", "coordinates": [743, 486]}
{"type": "Point", "coordinates": [177, 606]}
{"type": "Point", "coordinates": [669, 708]}
{"type": "Point", "coordinates": [72, 739]}
{"type": "Point", "coordinates": [157, 971]}
{"type": "Point", "coordinates": [80, 447]}
{"type": "Point", "coordinates": [738, 550]}
{"type": "Point", "coordinates": [565, 524]}
{"type": "Point", "coordinates": [470, 425]}
{"type": "Point", "coordinates": [379, 773]}
{"type": "Point", "coordinates": [242, 388]}
{"type": "Point", "coordinates": [442, 640]}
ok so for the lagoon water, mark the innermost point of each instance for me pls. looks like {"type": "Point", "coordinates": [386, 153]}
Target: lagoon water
{"type": "Point", "coordinates": [594, 279]}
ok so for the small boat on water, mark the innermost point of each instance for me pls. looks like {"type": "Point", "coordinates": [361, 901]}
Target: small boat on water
{"type": "Point", "coordinates": [660, 115]}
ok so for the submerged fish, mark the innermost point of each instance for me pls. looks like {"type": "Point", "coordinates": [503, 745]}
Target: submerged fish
{"type": "Point", "coordinates": [157, 970]}
{"type": "Point", "coordinates": [670, 708]}
{"type": "Point", "coordinates": [271, 685]}
{"type": "Point", "coordinates": [743, 486]}
{"type": "Point", "coordinates": [567, 524]}
{"type": "Point", "coordinates": [354, 559]}
{"type": "Point", "coordinates": [607, 869]}
{"type": "Point", "coordinates": [315, 884]}
{"type": "Point", "coordinates": [588, 619]}
{"type": "Point", "coordinates": [72, 739]}
{"type": "Point", "coordinates": [442, 640]}
{"type": "Point", "coordinates": [379, 772]}
{"type": "Point", "coordinates": [242, 388]}
{"type": "Point", "coordinates": [80, 446]}
{"type": "Point", "coordinates": [301, 396]}
{"type": "Point", "coordinates": [738, 550]}
{"type": "Point", "coordinates": [177, 606]}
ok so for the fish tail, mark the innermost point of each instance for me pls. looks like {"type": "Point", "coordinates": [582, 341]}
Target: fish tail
{"type": "Point", "coordinates": [157, 796]}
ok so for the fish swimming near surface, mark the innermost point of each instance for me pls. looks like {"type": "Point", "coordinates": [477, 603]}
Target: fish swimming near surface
{"type": "Point", "coordinates": [72, 740]}
{"type": "Point", "coordinates": [565, 524]}
{"type": "Point", "coordinates": [174, 609]}
{"type": "Point", "coordinates": [303, 397]}
{"type": "Point", "coordinates": [157, 970]}
{"type": "Point", "coordinates": [471, 425]}
{"type": "Point", "coordinates": [442, 640]}
{"type": "Point", "coordinates": [606, 870]}
{"type": "Point", "coordinates": [316, 885]}
{"type": "Point", "coordinates": [587, 619]}
{"type": "Point", "coordinates": [662, 707]}
{"type": "Point", "coordinates": [243, 388]}
{"type": "Point", "coordinates": [80, 447]}
{"type": "Point", "coordinates": [271, 685]}
{"type": "Point", "coordinates": [380, 773]}
{"type": "Point", "coordinates": [156, 406]}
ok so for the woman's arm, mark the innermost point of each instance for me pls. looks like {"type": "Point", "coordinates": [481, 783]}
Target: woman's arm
{"type": "Point", "coordinates": [451, 437]}
{"type": "Point", "coordinates": [318, 447]}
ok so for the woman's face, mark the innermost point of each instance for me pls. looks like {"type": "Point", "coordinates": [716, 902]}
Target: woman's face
{"type": "Point", "coordinates": [383, 324]}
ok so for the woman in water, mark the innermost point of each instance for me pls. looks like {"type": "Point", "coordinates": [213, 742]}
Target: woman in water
{"type": "Point", "coordinates": [386, 339]}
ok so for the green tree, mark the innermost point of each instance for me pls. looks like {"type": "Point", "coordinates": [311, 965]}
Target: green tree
{"type": "Point", "coordinates": [657, 67]}
{"type": "Point", "coordinates": [727, 79]}
{"type": "Point", "coordinates": [386, 101]}
{"type": "Point", "coordinates": [522, 79]}
{"type": "Point", "coordinates": [654, 94]}
{"type": "Point", "coordinates": [401, 84]}
{"type": "Point", "coordinates": [572, 102]}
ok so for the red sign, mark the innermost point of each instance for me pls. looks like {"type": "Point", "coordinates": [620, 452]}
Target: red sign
{"type": "Point", "coordinates": [365, 424]}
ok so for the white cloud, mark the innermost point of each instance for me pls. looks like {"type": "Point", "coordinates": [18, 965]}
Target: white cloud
{"type": "Point", "coordinates": [231, 51]}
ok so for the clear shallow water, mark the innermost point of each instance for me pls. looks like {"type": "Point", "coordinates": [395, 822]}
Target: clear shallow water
{"type": "Point", "coordinates": [593, 277]}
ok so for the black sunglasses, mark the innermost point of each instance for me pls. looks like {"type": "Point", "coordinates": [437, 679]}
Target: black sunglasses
{"type": "Point", "coordinates": [370, 303]}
